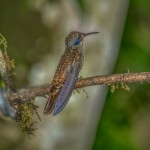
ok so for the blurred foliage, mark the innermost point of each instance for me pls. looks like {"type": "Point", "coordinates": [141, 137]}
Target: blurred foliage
{"type": "Point", "coordinates": [120, 126]}
{"type": "Point", "coordinates": [17, 19]}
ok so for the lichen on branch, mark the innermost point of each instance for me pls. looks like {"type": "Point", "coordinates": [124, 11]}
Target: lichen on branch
{"type": "Point", "coordinates": [6, 66]}
{"type": "Point", "coordinates": [23, 110]}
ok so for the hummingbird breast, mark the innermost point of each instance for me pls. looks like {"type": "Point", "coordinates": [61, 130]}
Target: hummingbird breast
{"type": "Point", "coordinates": [68, 59]}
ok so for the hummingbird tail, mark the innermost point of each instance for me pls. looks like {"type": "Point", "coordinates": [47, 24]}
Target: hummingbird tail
{"type": "Point", "coordinates": [58, 99]}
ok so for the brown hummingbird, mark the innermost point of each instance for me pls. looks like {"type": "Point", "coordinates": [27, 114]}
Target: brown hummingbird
{"type": "Point", "coordinates": [66, 73]}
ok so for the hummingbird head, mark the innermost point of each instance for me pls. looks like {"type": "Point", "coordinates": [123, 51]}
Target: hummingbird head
{"type": "Point", "coordinates": [75, 38]}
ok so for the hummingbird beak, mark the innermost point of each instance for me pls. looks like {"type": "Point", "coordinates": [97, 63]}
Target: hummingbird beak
{"type": "Point", "coordinates": [86, 34]}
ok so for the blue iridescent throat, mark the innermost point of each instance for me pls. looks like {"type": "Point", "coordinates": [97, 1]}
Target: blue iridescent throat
{"type": "Point", "coordinates": [77, 42]}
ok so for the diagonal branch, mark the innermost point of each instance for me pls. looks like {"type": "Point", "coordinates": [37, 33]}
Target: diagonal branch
{"type": "Point", "coordinates": [91, 81]}
{"type": "Point", "coordinates": [29, 93]}
{"type": "Point", "coordinates": [16, 96]}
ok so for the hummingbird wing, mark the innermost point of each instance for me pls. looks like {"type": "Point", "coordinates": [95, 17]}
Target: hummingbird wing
{"type": "Point", "coordinates": [66, 90]}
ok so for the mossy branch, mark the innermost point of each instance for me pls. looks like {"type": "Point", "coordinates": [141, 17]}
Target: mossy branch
{"type": "Point", "coordinates": [20, 110]}
{"type": "Point", "coordinates": [22, 101]}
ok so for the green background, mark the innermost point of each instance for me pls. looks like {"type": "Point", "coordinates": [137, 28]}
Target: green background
{"type": "Point", "coordinates": [125, 112]}
{"type": "Point", "coordinates": [124, 123]}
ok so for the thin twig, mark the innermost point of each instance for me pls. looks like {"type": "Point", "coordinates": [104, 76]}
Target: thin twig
{"type": "Point", "coordinates": [91, 81]}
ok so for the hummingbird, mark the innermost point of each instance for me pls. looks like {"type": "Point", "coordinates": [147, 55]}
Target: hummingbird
{"type": "Point", "coordinates": [67, 73]}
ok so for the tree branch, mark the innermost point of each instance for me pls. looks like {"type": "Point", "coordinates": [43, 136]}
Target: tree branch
{"type": "Point", "coordinates": [141, 77]}
{"type": "Point", "coordinates": [29, 93]}
{"type": "Point", "coordinates": [22, 101]}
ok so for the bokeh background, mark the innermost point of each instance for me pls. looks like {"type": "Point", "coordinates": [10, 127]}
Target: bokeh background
{"type": "Point", "coordinates": [35, 31]}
